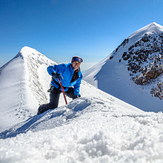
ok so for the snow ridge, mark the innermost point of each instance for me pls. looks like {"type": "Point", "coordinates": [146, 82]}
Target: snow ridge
{"type": "Point", "coordinates": [35, 62]}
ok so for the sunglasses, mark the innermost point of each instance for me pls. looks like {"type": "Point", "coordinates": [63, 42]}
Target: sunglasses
{"type": "Point", "coordinates": [77, 59]}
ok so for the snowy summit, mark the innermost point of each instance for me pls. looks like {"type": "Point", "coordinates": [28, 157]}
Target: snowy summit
{"type": "Point", "coordinates": [95, 128]}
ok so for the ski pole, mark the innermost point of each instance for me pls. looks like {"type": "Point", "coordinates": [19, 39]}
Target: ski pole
{"type": "Point", "coordinates": [63, 91]}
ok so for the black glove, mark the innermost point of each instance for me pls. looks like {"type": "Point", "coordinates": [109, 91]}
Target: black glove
{"type": "Point", "coordinates": [55, 76]}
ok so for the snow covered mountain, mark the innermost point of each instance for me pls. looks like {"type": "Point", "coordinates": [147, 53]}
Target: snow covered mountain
{"type": "Point", "coordinates": [133, 72]}
{"type": "Point", "coordinates": [94, 128]}
{"type": "Point", "coordinates": [23, 86]}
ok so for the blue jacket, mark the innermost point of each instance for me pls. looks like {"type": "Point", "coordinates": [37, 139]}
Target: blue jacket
{"type": "Point", "coordinates": [67, 71]}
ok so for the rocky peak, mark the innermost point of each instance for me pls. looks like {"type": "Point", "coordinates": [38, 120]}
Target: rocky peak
{"type": "Point", "coordinates": [144, 58]}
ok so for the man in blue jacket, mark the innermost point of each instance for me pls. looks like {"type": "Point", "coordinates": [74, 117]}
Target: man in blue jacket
{"type": "Point", "coordinates": [70, 77]}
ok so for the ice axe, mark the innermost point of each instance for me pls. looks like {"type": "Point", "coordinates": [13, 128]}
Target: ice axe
{"type": "Point", "coordinates": [62, 89]}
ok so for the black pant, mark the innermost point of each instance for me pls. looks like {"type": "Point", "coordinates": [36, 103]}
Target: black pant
{"type": "Point", "coordinates": [54, 99]}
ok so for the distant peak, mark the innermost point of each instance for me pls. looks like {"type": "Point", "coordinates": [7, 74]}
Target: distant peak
{"type": "Point", "coordinates": [27, 49]}
{"type": "Point", "coordinates": [154, 24]}
{"type": "Point", "coordinates": [152, 28]}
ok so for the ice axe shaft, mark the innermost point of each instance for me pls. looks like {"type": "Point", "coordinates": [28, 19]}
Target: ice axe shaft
{"type": "Point", "coordinates": [63, 91]}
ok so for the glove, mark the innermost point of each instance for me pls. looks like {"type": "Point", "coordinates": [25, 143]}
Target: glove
{"type": "Point", "coordinates": [77, 96]}
{"type": "Point", "coordinates": [55, 76]}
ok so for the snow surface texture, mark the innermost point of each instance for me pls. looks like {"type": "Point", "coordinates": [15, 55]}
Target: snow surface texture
{"type": "Point", "coordinates": [116, 72]}
{"type": "Point", "coordinates": [96, 128]}
{"type": "Point", "coordinates": [89, 130]}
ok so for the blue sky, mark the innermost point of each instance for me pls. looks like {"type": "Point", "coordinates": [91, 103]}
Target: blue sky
{"type": "Point", "coordinates": [60, 29]}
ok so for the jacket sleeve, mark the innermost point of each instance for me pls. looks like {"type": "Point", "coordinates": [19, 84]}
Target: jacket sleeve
{"type": "Point", "coordinates": [51, 69]}
{"type": "Point", "coordinates": [77, 85]}
{"type": "Point", "coordinates": [56, 69]}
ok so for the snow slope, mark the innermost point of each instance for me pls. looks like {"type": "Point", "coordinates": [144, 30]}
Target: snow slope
{"type": "Point", "coordinates": [89, 129]}
{"type": "Point", "coordinates": [112, 75]}
{"type": "Point", "coordinates": [94, 128]}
